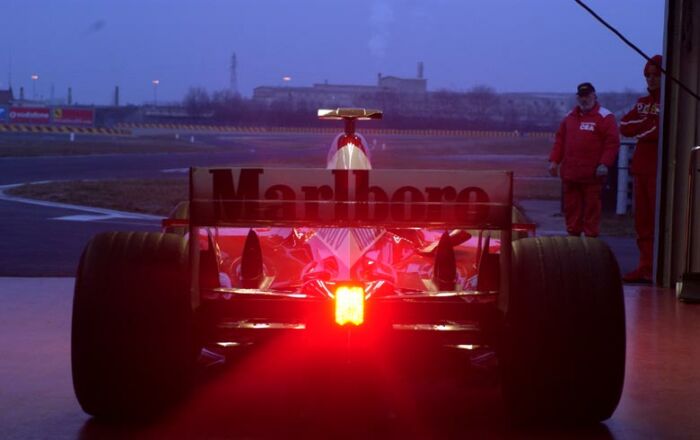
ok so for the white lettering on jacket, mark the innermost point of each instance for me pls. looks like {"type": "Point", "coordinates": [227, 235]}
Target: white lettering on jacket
{"type": "Point", "coordinates": [646, 109]}
{"type": "Point", "coordinates": [587, 126]}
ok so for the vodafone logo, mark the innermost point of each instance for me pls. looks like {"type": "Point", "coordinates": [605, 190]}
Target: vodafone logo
{"type": "Point", "coordinates": [31, 115]}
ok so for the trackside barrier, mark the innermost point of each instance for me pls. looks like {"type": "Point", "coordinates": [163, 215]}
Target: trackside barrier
{"type": "Point", "coordinates": [367, 131]}
{"type": "Point", "coordinates": [22, 128]}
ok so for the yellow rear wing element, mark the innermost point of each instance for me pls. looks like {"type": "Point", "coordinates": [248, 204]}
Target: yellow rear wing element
{"type": "Point", "coordinates": [361, 114]}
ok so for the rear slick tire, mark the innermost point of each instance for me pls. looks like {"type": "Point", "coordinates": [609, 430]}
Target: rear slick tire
{"type": "Point", "coordinates": [563, 346]}
{"type": "Point", "coordinates": [133, 345]}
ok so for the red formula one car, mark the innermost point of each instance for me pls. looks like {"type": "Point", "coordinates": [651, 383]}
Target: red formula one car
{"type": "Point", "coordinates": [427, 258]}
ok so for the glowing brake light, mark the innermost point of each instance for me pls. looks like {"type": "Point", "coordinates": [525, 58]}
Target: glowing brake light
{"type": "Point", "coordinates": [349, 305]}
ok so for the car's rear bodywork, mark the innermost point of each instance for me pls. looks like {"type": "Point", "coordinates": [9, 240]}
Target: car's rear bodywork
{"type": "Point", "coordinates": [392, 259]}
{"type": "Point", "coordinates": [273, 245]}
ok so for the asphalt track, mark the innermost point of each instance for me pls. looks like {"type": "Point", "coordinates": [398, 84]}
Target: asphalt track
{"type": "Point", "coordinates": [41, 241]}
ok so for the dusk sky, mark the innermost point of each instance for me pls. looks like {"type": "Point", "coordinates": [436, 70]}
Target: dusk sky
{"type": "Point", "coordinates": [511, 45]}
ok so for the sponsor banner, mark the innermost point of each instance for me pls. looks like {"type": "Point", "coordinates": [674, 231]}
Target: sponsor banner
{"type": "Point", "coordinates": [73, 116]}
{"type": "Point", "coordinates": [350, 198]}
{"type": "Point", "coordinates": [4, 113]}
{"type": "Point", "coordinates": [29, 115]}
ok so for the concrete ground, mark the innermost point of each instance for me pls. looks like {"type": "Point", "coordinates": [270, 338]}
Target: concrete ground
{"type": "Point", "coordinates": [660, 398]}
{"type": "Point", "coordinates": [549, 220]}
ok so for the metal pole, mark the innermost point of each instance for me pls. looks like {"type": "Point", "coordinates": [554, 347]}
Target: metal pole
{"type": "Point", "coordinates": [34, 77]}
{"type": "Point", "coordinates": [623, 178]}
{"type": "Point", "coordinates": [155, 83]}
{"type": "Point", "coordinates": [688, 285]}
{"type": "Point", "coordinates": [689, 220]}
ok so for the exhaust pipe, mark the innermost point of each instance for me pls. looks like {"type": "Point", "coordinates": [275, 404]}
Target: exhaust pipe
{"type": "Point", "coordinates": [252, 274]}
{"type": "Point", "coordinates": [445, 270]}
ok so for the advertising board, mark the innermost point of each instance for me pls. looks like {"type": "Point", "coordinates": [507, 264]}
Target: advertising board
{"type": "Point", "coordinates": [73, 116]}
{"type": "Point", "coordinates": [29, 115]}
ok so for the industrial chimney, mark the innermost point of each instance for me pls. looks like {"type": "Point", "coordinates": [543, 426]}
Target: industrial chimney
{"type": "Point", "coordinates": [234, 74]}
{"type": "Point", "coordinates": [420, 69]}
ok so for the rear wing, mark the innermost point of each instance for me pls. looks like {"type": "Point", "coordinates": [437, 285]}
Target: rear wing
{"type": "Point", "coordinates": [247, 197]}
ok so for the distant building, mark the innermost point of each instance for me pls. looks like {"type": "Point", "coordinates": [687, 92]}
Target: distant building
{"type": "Point", "coordinates": [340, 95]}
{"type": "Point", "coordinates": [6, 97]}
{"type": "Point", "coordinates": [403, 85]}
{"type": "Point", "coordinates": [409, 97]}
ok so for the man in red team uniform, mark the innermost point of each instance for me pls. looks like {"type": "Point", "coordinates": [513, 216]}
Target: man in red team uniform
{"type": "Point", "coordinates": [586, 145]}
{"type": "Point", "coordinates": [642, 122]}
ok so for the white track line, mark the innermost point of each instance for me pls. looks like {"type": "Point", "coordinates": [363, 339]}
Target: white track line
{"type": "Point", "coordinates": [102, 213]}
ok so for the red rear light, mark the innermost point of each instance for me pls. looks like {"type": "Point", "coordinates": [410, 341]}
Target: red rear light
{"type": "Point", "coordinates": [349, 305]}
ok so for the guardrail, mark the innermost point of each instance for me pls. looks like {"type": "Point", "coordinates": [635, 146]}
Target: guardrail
{"type": "Point", "coordinates": [67, 129]}
{"type": "Point", "coordinates": [334, 130]}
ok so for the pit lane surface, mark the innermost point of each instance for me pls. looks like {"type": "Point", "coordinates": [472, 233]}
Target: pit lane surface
{"type": "Point", "coordinates": [264, 397]}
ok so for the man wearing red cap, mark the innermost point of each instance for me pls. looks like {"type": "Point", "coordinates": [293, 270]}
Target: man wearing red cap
{"type": "Point", "coordinates": [586, 145]}
{"type": "Point", "coordinates": [642, 122]}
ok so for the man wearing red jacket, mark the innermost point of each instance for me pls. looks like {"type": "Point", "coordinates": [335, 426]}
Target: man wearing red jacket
{"type": "Point", "coordinates": [642, 122]}
{"type": "Point", "coordinates": [586, 145]}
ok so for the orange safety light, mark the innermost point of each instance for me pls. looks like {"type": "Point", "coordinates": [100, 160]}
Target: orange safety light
{"type": "Point", "coordinates": [349, 305]}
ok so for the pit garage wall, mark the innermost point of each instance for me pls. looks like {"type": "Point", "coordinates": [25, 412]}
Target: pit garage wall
{"type": "Point", "coordinates": [679, 133]}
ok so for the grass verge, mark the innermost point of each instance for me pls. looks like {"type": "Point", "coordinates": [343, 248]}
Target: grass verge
{"type": "Point", "coordinates": [149, 196]}
{"type": "Point", "coordinates": [29, 147]}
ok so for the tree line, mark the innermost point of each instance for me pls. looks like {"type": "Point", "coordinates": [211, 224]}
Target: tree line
{"type": "Point", "coordinates": [479, 108]}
